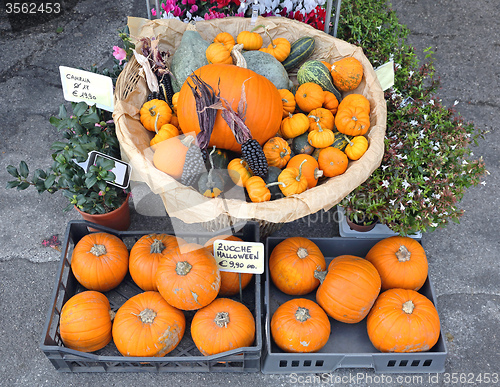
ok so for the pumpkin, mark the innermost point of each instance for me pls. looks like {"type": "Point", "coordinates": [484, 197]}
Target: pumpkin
{"type": "Point", "coordinates": [166, 131]}
{"type": "Point", "coordinates": [320, 118]}
{"type": "Point", "coordinates": [309, 96]}
{"type": "Point", "coordinates": [268, 66]}
{"type": "Point", "coordinates": [188, 277]}
{"type": "Point", "coordinates": [293, 181]}
{"type": "Point", "coordinates": [321, 138]}
{"type": "Point", "coordinates": [356, 148]}
{"type": "Point", "coordinates": [310, 168]}
{"type": "Point", "coordinates": [85, 323]}
{"type": "Point", "coordinates": [226, 39]}
{"type": "Point", "coordinates": [277, 152]}
{"type": "Point", "coordinates": [154, 114]}
{"type": "Point", "coordinates": [357, 100]}
{"type": "Point", "coordinates": [257, 189]}
{"type": "Point", "coordinates": [210, 243]}
{"type": "Point", "coordinates": [316, 72]}
{"type": "Point", "coordinates": [332, 161]}
{"type": "Point", "coordinates": [300, 325]}
{"type": "Point", "coordinates": [145, 257]}
{"type": "Point", "coordinates": [352, 120]}
{"type": "Point", "coordinates": [239, 171]}
{"type": "Point", "coordinates": [170, 155]}
{"type": "Point", "coordinates": [300, 50]}
{"type": "Point", "coordinates": [263, 104]}
{"type": "Point", "coordinates": [250, 40]}
{"type": "Point", "coordinates": [279, 48]}
{"type": "Point", "coordinates": [400, 261]}
{"type": "Point", "coordinates": [327, 64]}
{"type": "Point", "coordinates": [175, 100]}
{"type": "Point", "coordinates": [146, 325]}
{"type": "Point", "coordinates": [301, 145]}
{"type": "Point", "coordinates": [294, 264]}
{"type": "Point", "coordinates": [294, 125]}
{"type": "Point", "coordinates": [100, 261]}
{"type": "Point", "coordinates": [347, 73]}
{"type": "Point", "coordinates": [349, 288]}
{"type": "Point", "coordinates": [174, 120]}
{"type": "Point", "coordinates": [211, 184]}
{"type": "Point", "coordinates": [272, 177]}
{"type": "Point", "coordinates": [223, 325]}
{"type": "Point", "coordinates": [403, 320]}
{"type": "Point", "coordinates": [218, 53]}
{"type": "Point", "coordinates": [331, 102]}
{"type": "Point", "coordinates": [288, 100]}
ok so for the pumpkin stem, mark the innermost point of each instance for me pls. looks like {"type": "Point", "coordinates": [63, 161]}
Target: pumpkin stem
{"type": "Point", "coordinates": [318, 173]}
{"type": "Point", "coordinates": [238, 58]}
{"type": "Point", "coordinates": [348, 140]}
{"type": "Point", "coordinates": [156, 123]}
{"type": "Point", "coordinates": [152, 110]}
{"type": "Point", "coordinates": [112, 315]}
{"type": "Point", "coordinates": [157, 247]}
{"type": "Point", "coordinates": [403, 254]}
{"type": "Point", "coordinates": [320, 275]}
{"type": "Point", "coordinates": [187, 141]}
{"type": "Point", "coordinates": [183, 268]}
{"type": "Point", "coordinates": [98, 250]}
{"type": "Point", "coordinates": [147, 316]}
{"type": "Point", "coordinates": [408, 307]}
{"type": "Point", "coordinates": [283, 153]}
{"type": "Point", "coordinates": [299, 176]}
{"type": "Point", "coordinates": [302, 252]}
{"type": "Point", "coordinates": [302, 314]}
{"type": "Point", "coordinates": [221, 319]}
{"type": "Point", "coordinates": [276, 183]}
{"type": "Point", "coordinates": [259, 26]}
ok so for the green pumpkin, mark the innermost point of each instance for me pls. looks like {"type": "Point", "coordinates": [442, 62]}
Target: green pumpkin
{"type": "Point", "coordinates": [272, 177]}
{"type": "Point", "coordinates": [300, 145]}
{"type": "Point", "coordinates": [268, 66]}
{"type": "Point", "coordinates": [300, 50]}
{"type": "Point", "coordinates": [341, 140]}
{"type": "Point", "coordinates": [210, 184]}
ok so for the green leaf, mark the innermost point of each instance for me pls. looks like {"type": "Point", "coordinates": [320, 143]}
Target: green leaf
{"type": "Point", "coordinates": [90, 181]}
{"type": "Point", "coordinates": [12, 184]}
{"type": "Point", "coordinates": [23, 169]}
{"type": "Point", "coordinates": [59, 30]}
{"type": "Point", "coordinates": [63, 113]}
{"type": "Point", "coordinates": [106, 164]}
{"type": "Point", "coordinates": [12, 171]}
{"type": "Point", "coordinates": [49, 181]}
{"type": "Point", "coordinates": [58, 145]}
{"type": "Point", "coordinates": [80, 109]}
{"type": "Point", "coordinates": [23, 185]}
{"type": "Point", "coordinates": [54, 121]}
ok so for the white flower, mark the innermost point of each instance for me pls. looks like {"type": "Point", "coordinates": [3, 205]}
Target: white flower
{"type": "Point", "coordinates": [409, 201]}
{"type": "Point", "coordinates": [384, 167]}
{"type": "Point", "coordinates": [379, 27]}
{"type": "Point", "coordinates": [431, 102]}
{"type": "Point", "coordinates": [385, 183]}
{"type": "Point", "coordinates": [411, 194]}
{"type": "Point", "coordinates": [483, 183]}
{"type": "Point", "coordinates": [401, 207]}
{"type": "Point", "coordinates": [437, 172]}
{"type": "Point", "coordinates": [426, 178]}
{"type": "Point", "coordinates": [421, 134]}
{"type": "Point", "coordinates": [414, 122]}
{"type": "Point", "coordinates": [455, 103]}
{"type": "Point", "coordinates": [453, 147]}
{"type": "Point", "coordinates": [436, 196]}
{"type": "Point", "coordinates": [435, 147]}
{"type": "Point", "coordinates": [391, 202]}
{"type": "Point", "coordinates": [419, 191]}
{"type": "Point", "coordinates": [464, 162]}
{"type": "Point", "coordinates": [411, 73]}
{"type": "Point", "coordinates": [425, 116]}
{"type": "Point", "coordinates": [452, 184]}
{"type": "Point", "coordinates": [397, 66]}
{"type": "Point", "coordinates": [416, 144]}
{"type": "Point", "coordinates": [405, 184]}
{"type": "Point", "coordinates": [434, 224]}
{"type": "Point", "coordinates": [427, 200]}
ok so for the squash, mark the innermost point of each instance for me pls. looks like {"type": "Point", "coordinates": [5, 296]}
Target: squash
{"type": "Point", "coordinates": [321, 138]}
{"type": "Point", "coordinates": [100, 261]}
{"type": "Point", "coordinates": [352, 120]}
{"type": "Point", "coordinates": [310, 169]}
{"type": "Point", "coordinates": [189, 56]}
{"type": "Point", "coordinates": [294, 181]}
{"type": "Point", "coordinates": [400, 261]}
{"type": "Point", "coordinates": [349, 288]}
{"type": "Point", "coordinates": [268, 66]}
{"type": "Point", "coordinates": [341, 141]}
{"type": "Point", "coordinates": [85, 323]}
{"type": "Point", "coordinates": [288, 100]}
{"type": "Point", "coordinates": [331, 102]}
{"type": "Point", "coordinates": [166, 131]}
{"type": "Point", "coordinates": [188, 277]}
{"type": "Point", "coordinates": [211, 184]}
{"type": "Point", "coordinates": [278, 48]}
{"type": "Point", "coordinates": [218, 53]}
{"type": "Point", "coordinates": [300, 325]}
{"type": "Point", "coordinates": [300, 145]}
{"type": "Point", "coordinates": [257, 190]}
{"type": "Point", "coordinates": [294, 264]}
{"type": "Point", "coordinates": [300, 50]}
{"type": "Point", "coordinates": [320, 117]}
{"type": "Point", "coordinates": [309, 96]}
{"type": "Point", "coordinates": [226, 39]}
{"type": "Point", "coordinates": [356, 148]}
{"type": "Point", "coordinates": [294, 125]}
{"type": "Point", "coordinates": [332, 161]}
{"type": "Point", "coordinates": [346, 73]}
{"type": "Point", "coordinates": [250, 40]}
{"type": "Point", "coordinates": [222, 326]}
{"type": "Point", "coordinates": [239, 171]}
{"type": "Point", "coordinates": [357, 100]}
{"type": "Point", "coordinates": [403, 320]}
{"type": "Point", "coordinates": [147, 326]}
{"type": "Point", "coordinates": [316, 72]}
{"type": "Point", "coordinates": [154, 114]}
{"type": "Point", "coordinates": [277, 152]}
{"type": "Point", "coordinates": [170, 155]}
{"type": "Point", "coordinates": [272, 177]}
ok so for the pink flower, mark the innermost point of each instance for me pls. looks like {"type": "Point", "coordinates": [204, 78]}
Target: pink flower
{"type": "Point", "coordinates": [168, 5]}
{"type": "Point", "coordinates": [153, 11]}
{"type": "Point", "coordinates": [177, 11]}
{"type": "Point", "coordinates": [119, 53]}
{"type": "Point", "coordinates": [193, 9]}
{"type": "Point", "coordinates": [101, 193]}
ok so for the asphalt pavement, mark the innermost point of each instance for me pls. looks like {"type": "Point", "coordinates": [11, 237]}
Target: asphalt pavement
{"type": "Point", "coordinates": [463, 258]}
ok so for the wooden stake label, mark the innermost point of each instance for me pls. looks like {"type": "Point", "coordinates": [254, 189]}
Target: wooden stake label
{"type": "Point", "coordinates": [239, 257]}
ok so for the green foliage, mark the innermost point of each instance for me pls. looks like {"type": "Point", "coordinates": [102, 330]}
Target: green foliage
{"type": "Point", "coordinates": [87, 128]}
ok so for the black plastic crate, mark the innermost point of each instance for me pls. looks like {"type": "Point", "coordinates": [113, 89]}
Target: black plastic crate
{"type": "Point", "coordinates": [349, 345]}
{"type": "Point", "coordinates": [185, 358]}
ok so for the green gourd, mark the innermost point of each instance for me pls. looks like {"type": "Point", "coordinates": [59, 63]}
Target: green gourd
{"type": "Point", "coordinates": [300, 50]}
{"type": "Point", "coordinates": [316, 72]}
{"type": "Point", "coordinates": [300, 145]}
{"type": "Point", "coordinates": [268, 66]}
{"type": "Point", "coordinates": [272, 177]}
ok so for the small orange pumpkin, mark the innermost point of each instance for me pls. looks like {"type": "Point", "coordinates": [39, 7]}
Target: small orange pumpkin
{"type": "Point", "coordinates": [320, 118]}
{"type": "Point", "coordinates": [250, 40]}
{"type": "Point", "coordinates": [356, 148]}
{"type": "Point", "coordinates": [403, 320]}
{"type": "Point", "coordinates": [292, 181]}
{"type": "Point", "coordinates": [279, 48]}
{"type": "Point", "coordinates": [321, 138]}
{"type": "Point", "coordinates": [166, 131]}
{"type": "Point", "coordinates": [100, 261]}
{"type": "Point", "coordinates": [85, 323]}
{"type": "Point", "coordinates": [355, 100]}
{"type": "Point", "coordinates": [300, 325]}
{"type": "Point", "coordinates": [277, 152]}
{"type": "Point", "coordinates": [218, 53]}
{"type": "Point", "coordinates": [352, 120]}
{"type": "Point", "coordinates": [239, 171]}
{"type": "Point", "coordinates": [294, 125]}
{"type": "Point", "coordinates": [310, 168]}
{"type": "Point", "coordinates": [332, 161]}
{"type": "Point", "coordinates": [309, 96]}
{"type": "Point", "coordinates": [331, 102]}
{"type": "Point", "coordinates": [288, 100]}
{"type": "Point", "coordinates": [155, 114]}
{"type": "Point", "coordinates": [226, 39]}
{"type": "Point", "coordinates": [347, 73]}
{"type": "Point", "coordinates": [170, 155]}
{"type": "Point", "coordinates": [175, 99]}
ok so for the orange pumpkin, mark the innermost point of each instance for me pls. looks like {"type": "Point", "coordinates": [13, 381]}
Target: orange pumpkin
{"type": "Point", "coordinates": [356, 147]}
{"type": "Point", "coordinates": [188, 277]}
{"type": "Point", "coordinates": [85, 323]}
{"type": "Point", "coordinates": [331, 102]}
{"type": "Point", "coordinates": [250, 40]}
{"type": "Point", "coordinates": [277, 152]}
{"type": "Point", "coordinates": [347, 73]}
{"type": "Point", "coordinates": [145, 257]}
{"type": "Point", "coordinates": [355, 100]}
{"type": "Point", "coordinates": [239, 171]}
{"type": "Point", "coordinates": [288, 100]}
{"type": "Point", "coordinates": [352, 120]}
{"type": "Point", "coordinates": [170, 155]}
{"type": "Point", "coordinates": [300, 325]}
{"type": "Point", "coordinates": [294, 125]}
{"type": "Point", "coordinates": [222, 326]}
{"type": "Point", "coordinates": [226, 39]}
{"type": "Point", "coordinates": [279, 48]}
{"type": "Point", "coordinates": [349, 289]}
{"type": "Point", "coordinates": [154, 114]}
{"type": "Point", "coordinates": [309, 96]}
{"type": "Point", "coordinates": [166, 131]}
{"type": "Point", "coordinates": [294, 264]}
{"type": "Point", "coordinates": [332, 161]}
{"type": "Point", "coordinates": [321, 138]}
{"type": "Point", "coordinates": [292, 181]}
{"type": "Point", "coordinates": [257, 189]}
{"type": "Point", "coordinates": [146, 325]}
{"type": "Point", "coordinates": [310, 168]}
{"type": "Point", "coordinates": [400, 261]}
{"type": "Point", "coordinates": [320, 118]}
{"type": "Point", "coordinates": [403, 320]}
{"type": "Point", "coordinates": [100, 261]}
{"type": "Point", "coordinates": [264, 106]}
{"type": "Point", "coordinates": [218, 53]}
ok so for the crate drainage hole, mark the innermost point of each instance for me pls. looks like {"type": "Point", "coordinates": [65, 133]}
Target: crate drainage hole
{"type": "Point", "coordinates": [403, 363]}
{"type": "Point", "coordinates": [427, 363]}
{"type": "Point", "coordinates": [307, 363]}
{"type": "Point", "coordinates": [415, 363]}
{"type": "Point", "coordinates": [391, 363]}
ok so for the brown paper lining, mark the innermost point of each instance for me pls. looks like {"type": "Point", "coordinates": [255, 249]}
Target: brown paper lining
{"type": "Point", "coordinates": [186, 203]}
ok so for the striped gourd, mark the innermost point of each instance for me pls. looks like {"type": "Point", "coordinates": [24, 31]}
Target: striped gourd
{"type": "Point", "coordinates": [341, 141]}
{"type": "Point", "coordinates": [317, 72]}
{"type": "Point", "coordinates": [300, 50]}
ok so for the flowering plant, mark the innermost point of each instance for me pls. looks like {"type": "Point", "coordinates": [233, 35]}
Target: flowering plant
{"type": "Point", "coordinates": [428, 161]}
{"type": "Point", "coordinates": [87, 129]}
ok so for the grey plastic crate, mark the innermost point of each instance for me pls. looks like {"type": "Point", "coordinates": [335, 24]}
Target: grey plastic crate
{"type": "Point", "coordinates": [184, 358]}
{"type": "Point", "coordinates": [349, 345]}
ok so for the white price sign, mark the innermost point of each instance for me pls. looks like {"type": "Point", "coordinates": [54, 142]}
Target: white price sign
{"type": "Point", "coordinates": [239, 257]}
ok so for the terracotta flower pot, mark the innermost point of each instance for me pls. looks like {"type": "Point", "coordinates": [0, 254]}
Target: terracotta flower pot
{"type": "Point", "coordinates": [361, 227]}
{"type": "Point", "coordinates": [118, 219]}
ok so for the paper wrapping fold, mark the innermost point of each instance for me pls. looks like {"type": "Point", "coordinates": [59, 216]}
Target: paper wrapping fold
{"type": "Point", "coordinates": [186, 203]}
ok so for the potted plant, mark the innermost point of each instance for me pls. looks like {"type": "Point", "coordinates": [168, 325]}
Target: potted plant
{"type": "Point", "coordinates": [86, 129]}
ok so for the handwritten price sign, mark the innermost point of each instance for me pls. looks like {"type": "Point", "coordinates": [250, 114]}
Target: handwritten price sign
{"type": "Point", "coordinates": [239, 257]}
{"type": "Point", "coordinates": [80, 85]}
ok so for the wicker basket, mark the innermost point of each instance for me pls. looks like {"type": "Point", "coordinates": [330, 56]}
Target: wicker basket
{"type": "Point", "coordinates": [187, 204]}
